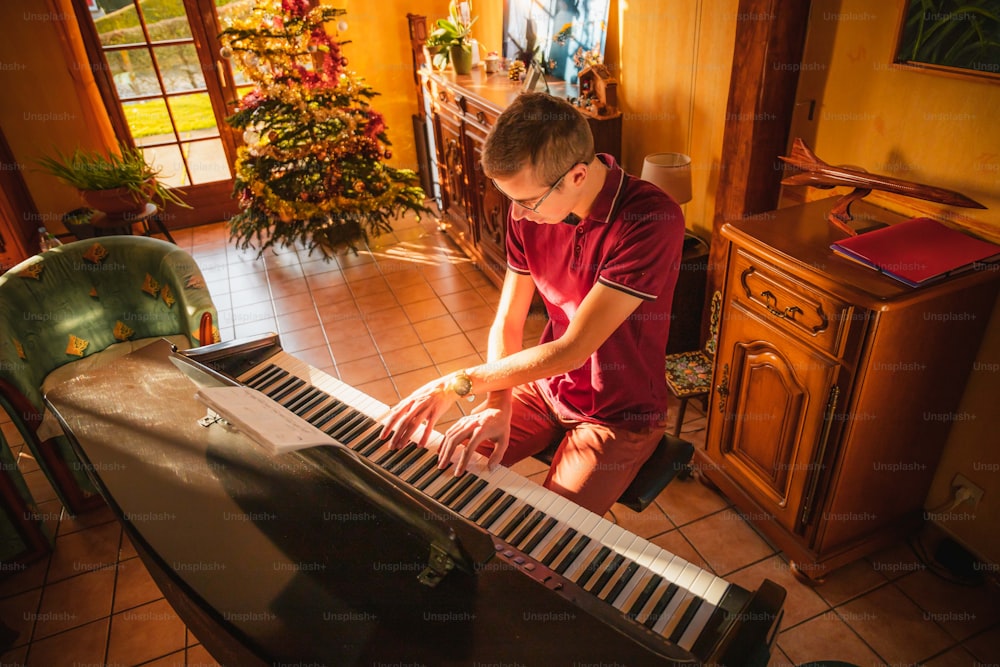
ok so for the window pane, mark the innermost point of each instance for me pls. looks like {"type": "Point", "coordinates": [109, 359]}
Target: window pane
{"type": "Point", "coordinates": [133, 73]}
{"type": "Point", "coordinates": [179, 67]}
{"type": "Point", "coordinates": [169, 159]}
{"type": "Point", "coordinates": [149, 121]}
{"type": "Point", "coordinates": [120, 27]}
{"type": "Point", "coordinates": [207, 161]}
{"type": "Point", "coordinates": [166, 20]}
{"type": "Point", "coordinates": [193, 115]}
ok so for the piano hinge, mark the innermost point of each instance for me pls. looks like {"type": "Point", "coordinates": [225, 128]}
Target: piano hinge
{"type": "Point", "coordinates": [438, 565]}
{"type": "Point", "coordinates": [210, 418]}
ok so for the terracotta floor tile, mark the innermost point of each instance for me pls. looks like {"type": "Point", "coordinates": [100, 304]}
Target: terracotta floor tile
{"type": "Point", "coordinates": [456, 302]}
{"type": "Point", "coordinates": [955, 657]}
{"type": "Point", "coordinates": [144, 633]}
{"type": "Point", "coordinates": [381, 390]}
{"type": "Point", "coordinates": [255, 327]}
{"type": "Point", "coordinates": [726, 541]}
{"type": "Point", "coordinates": [408, 382]}
{"type": "Point", "coordinates": [134, 586]}
{"type": "Point", "coordinates": [399, 336]}
{"type": "Point", "coordinates": [827, 637]}
{"type": "Point", "coordinates": [176, 659]}
{"type": "Point", "coordinates": [449, 348]}
{"type": "Point", "coordinates": [802, 602]}
{"type": "Point", "coordinates": [677, 544]}
{"type": "Point", "coordinates": [406, 359]}
{"type": "Point", "coordinates": [297, 321]}
{"type": "Point", "coordinates": [375, 303]}
{"type": "Point", "coordinates": [330, 286]}
{"type": "Point", "coordinates": [962, 611]}
{"type": "Point", "coordinates": [22, 577]}
{"type": "Point", "coordinates": [303, 339]}
{"type": "Point", "coordinates": [18, 613]}
{"type": "Point", "coordinates": [86, 550]}
{"type": "Point", "coordinates": [480, 316]}
{"type": "Point", "coordinates": [849, 582]}
{"type": "Point", "coordinates": [894, 626]}
{"type": "Point", "coordinates": [425, 309]}
{"type": "Point", "coordinates": [318, 357]}
{"type": "Point", "coordinates": [84, 645]}
{"type": "Point", "coordinates": [647, 523]}
{"type": "Point", "coordinates": [350, 348]}
{"type": "Point", "coordinates": [414, 293]}
{"type": "Point", "coordinates": [400, 275]}
{"type": "Point", "coordinates": [436, 328]}
{"type": "Point", "coordinates": [364, 370]}
{"type": "Point", "coordinates": [286, 305]}
{"type": "Point", "coordinates": [75, 601]}
{"type": "Point", "coordinates": [687, 500]}
{"type": "Point", "coordinates": [985, 646]}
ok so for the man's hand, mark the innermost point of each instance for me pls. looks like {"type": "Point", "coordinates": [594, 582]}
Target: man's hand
{"type": "Point", "coordinates": [486, 424]}
{"type": "Point", "coordinates": [423, 406]}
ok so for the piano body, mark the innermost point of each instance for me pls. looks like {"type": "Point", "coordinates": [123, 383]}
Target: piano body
{"type": "Point", "coordinates": [347, 554]}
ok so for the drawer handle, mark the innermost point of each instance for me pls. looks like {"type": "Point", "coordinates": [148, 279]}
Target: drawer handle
{"type": "Point", "coordinates": [772, 301]}
{"type": "Point", "coordinates": [443, 96]}
{"type": "Point", "coordinates": [481, 117]}
{"type": "Point", "coordinates": [723, 389]}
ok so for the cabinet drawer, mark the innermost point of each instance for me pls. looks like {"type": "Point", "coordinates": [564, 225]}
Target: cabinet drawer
{"type": "Point", "coordinates": [813, 315]}
{"type": "Point", "coordinates": [483, 114]}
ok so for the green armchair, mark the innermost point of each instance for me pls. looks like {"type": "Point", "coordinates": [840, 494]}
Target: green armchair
{"type": "Point", "coordinates": [82, 305]}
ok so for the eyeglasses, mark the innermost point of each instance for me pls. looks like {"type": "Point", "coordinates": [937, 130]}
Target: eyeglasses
{"type": "Point", "coordinates": [541, 199]}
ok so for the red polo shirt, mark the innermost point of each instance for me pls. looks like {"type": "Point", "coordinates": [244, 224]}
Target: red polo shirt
{"type": "Point", "coordinates": [630, 241]}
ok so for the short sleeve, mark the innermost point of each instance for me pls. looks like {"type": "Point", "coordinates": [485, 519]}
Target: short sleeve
{"type": "Point", "coordinates": [647, 254]}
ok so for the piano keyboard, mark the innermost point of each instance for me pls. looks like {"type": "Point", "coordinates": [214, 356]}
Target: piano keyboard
{"type": "Point", "coordinates": [533, 528]}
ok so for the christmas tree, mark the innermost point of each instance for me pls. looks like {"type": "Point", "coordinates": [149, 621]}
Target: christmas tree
{"type": "Point", "coordinates": [312, 169]}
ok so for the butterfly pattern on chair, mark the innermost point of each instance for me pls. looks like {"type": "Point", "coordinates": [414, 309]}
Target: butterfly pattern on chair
{"type": "Point", "coordinates": [689, 374]}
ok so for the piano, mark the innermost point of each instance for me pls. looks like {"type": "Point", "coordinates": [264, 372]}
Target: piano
{"type": "Point", "coordinates": [381, 558]}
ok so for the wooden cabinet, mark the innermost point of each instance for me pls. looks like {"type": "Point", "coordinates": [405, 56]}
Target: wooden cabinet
{"type": "Point", "coordinates": [458, 112]}
{"type": "Point", "coordinates": [834, 387]}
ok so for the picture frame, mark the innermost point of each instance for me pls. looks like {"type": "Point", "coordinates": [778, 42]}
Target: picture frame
{"type": "Point", "coordinates": [534, 79]}
{"type": "Point", "coordinates": [962, 43]}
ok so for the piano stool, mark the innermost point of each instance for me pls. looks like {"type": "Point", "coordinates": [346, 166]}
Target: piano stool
{"type": "Point", "coordinates": [668, 460]}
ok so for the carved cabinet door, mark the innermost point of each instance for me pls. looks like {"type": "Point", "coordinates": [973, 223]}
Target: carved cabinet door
{"type": "Point", "coordinates": [489, 205]}
{"type": "Point", "coordinates": [773, 416]}
{"type": "Point", "coordinates": [451, 164]}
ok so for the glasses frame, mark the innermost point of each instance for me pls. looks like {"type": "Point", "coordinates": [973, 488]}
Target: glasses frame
{"type": "Point", "coordinates": [544, 196]}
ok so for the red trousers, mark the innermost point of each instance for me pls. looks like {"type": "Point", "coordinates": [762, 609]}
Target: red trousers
{"type": "Point", "coordinates": [593, 464]}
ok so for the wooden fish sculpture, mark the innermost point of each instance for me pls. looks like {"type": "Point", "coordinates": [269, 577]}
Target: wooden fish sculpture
{"type": "Point", "coordinates": [817, 173]}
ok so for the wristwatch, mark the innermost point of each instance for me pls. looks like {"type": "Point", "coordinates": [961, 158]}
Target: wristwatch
{"type": "Point", "coordinates": [461, 384]}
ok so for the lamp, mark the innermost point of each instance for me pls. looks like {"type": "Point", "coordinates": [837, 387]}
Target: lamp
{"type": "Point", "coordinates": [671, 172]}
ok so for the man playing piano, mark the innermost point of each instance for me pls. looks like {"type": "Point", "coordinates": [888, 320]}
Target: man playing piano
{"type": "Point", "coordinates": [603, 249]}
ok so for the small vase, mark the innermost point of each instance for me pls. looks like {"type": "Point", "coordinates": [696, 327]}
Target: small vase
{"type": "Point", "coordinates": [461, 58]}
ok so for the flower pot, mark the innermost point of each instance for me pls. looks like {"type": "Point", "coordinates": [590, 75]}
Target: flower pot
{"type": "Point", "coordinates": [115, 203]}
{"type": "Point", "coordinates": [461, 58]}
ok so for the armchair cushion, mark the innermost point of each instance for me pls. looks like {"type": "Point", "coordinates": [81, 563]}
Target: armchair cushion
{"type": "Point", "coordinates": [71, 303]}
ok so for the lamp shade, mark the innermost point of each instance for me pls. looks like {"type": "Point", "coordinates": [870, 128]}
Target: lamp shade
{"type": "Point", "coordinates": [671, 172]}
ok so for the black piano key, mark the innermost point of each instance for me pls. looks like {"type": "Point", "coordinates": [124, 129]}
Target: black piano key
{"type": "Point", "coordinates": [514, 521]}
{"type": "Point", "coordinates": [391, 456]}
{"type": "Point", "coordinates": [644, 596]}
{"type": "Point", "coordinates": [685, 619]}
{"type": "Point", "coordinates": [497, 511]}
{"type": "Point", "coordinates": [540, 535]}
{"type": "Point", "coordinates": [430, 479]}
{"type": "Point", "coordinates": [607, 572]}
{"type": "Point", "coordinates": [623, 580]}
{"type": "Point", "coordinates": [332, 411]}
{"type": "Point", "coordinates": [592, 566]}
{"type": "Point", "coordinates": [529, 525]}
{"type": "Point", "coordinates": [416, 458]}
{"type": "Point", "coordinates": [467, 480]}
{"type": "Point", "coordinates": [424, 468]}
{"type": "Point", "coordinates": [371, 442]}
{"type": "Point", "coordinates": [303, 392]}
{"type": "Point", "coordinates": [284, 389]}
{"type": "Point", "coordinates": [661, 604]}
{"type": "Point", "coordinates": [437, 494]}
{"type": "Point", "coordinates": [265, 376]}
{"type": "Point", "coordinates": [350, 436]}
{"type": "Point", "coordinates": [559, 545]}
{"type": "Point", "coordinates": [345, 426]}
{"type": "Point", "coordinates": [484, 506]}
{"type": "Point", "coordinates": [311, 402]}
{"type": "Point", "coordinates": [467, 497]}
{"type": "Point", "coordinates": [573, 553]}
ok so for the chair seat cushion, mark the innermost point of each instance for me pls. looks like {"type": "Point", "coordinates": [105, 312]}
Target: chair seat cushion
{"type": "Point", "coordinates": [49, 426]}
{"type": "Point", "coordinates": [688, 373]}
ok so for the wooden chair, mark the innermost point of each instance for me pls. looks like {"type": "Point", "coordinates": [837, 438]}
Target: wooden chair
{"type": "Point", "coordinates": [81, 306]}
{"type": "Point", "coordinates": [689, 374]}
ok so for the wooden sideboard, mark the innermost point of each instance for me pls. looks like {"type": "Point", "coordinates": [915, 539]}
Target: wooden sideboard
{"type": "Point", "coordinates": [457, 113]}
{"type": "Point", "coordinates": [834, 386]}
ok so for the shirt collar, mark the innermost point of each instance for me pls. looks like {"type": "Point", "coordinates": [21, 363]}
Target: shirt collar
{"type": "Point", "coordinates": [607, 199]}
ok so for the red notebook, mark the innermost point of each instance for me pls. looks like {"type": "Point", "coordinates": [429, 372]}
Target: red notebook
{"type": "Point", "coordinates": [917, 251]}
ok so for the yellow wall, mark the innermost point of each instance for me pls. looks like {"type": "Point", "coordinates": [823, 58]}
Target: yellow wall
{"type": "Point", "coordinates": [932, 128]}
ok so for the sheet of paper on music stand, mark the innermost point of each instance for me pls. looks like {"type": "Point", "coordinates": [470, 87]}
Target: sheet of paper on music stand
{"type": "Point", "coordinates": [265, 422]}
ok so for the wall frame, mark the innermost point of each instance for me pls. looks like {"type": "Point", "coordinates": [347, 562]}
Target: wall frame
{"type": "Point", "coordinates": [960, 37]}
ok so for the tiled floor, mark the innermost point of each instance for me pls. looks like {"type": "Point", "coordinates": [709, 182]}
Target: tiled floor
{"type": "Point", "coordinates": [386, 321]}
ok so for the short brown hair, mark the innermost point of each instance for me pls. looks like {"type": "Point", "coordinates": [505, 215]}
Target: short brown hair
{"type": "Point", "coordinates": [539, 131]}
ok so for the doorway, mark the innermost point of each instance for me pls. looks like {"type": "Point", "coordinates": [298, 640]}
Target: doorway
{"type": "Point", "coordinates": [168, 92]}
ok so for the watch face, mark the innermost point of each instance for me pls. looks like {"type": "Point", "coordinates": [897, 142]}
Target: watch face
{"type": "Point", "coordinates": [462, 384]}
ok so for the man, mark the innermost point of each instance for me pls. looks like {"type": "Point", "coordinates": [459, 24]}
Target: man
{"type": "Point", "coordinates": [603, 249]}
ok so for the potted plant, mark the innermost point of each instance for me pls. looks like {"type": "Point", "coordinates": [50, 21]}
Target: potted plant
{"type": "Point", "coordinates": [449, 41]}
{"type": "Point", "coordinates": [117, 184]}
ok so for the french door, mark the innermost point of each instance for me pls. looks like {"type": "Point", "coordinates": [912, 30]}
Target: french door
{"type": "Point", "coordinates": [168, 92]}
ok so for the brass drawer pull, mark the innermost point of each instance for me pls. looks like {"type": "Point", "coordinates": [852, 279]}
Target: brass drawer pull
{"type": "Point", "coordinates": [481, 117]}
{"type": "Point", "coordinates": [772, 301]}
